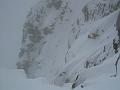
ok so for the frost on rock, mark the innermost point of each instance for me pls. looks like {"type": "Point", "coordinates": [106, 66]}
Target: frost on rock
{"type": "Point", "coordinates": [118, 25]}
{"type": "Point", "coordinates": [68, 45]}
{"type": "Point", "coordinates": [97, 9]}
{"type": "Point", "coordinates": [41, 24]}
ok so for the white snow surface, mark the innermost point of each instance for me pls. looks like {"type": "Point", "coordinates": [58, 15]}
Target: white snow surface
{"type": "Point", "coordinates": [54, 71]}
{"type": "Point", "coordinates": [13, 79]}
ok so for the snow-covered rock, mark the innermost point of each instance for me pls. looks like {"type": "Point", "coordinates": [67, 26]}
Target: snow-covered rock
{"type": "Point", "coordinates": [67, 41]}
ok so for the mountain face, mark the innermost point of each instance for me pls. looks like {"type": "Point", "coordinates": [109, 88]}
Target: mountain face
{"type": "Point", "coordinates": [69, 39]}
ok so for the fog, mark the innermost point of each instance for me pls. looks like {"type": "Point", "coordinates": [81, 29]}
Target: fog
{"type": "Point", "coordinates": [12, 18]}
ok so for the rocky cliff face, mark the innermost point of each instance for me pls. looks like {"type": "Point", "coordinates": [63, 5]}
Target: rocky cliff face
{"type": "Point", "coordinates": [97, 9]}
{"type": "Point", "coordinates": [42, 37]}
{"type": "Point", "coordinates": [64, 38]}
{"type": "Point", "coordinates": [118, 25]}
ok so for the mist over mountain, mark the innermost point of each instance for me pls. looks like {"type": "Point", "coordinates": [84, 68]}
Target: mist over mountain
{"type": "Point", "coordinates": [72, 43]}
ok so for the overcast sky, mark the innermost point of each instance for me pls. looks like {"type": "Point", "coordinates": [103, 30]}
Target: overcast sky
{"type": "Point", "coordinates": [12, 18]}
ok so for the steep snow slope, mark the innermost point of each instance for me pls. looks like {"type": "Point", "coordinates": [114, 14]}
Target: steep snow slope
{"type": "Point", "coordinates": [72, 43]}
{"type": "Point", "coordinates": [65, 39]}
{"type": "Point", "coordinates": [47, 31]}
{"type": "Point", "coordinates": [90, 52]}
{"type": "Point", "coordinates": [16, 79]}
